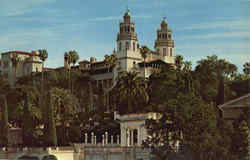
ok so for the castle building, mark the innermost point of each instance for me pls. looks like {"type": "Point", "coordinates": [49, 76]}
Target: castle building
{"type": "Point", "coordinates": [128, 48]}
{"type": "Point", "coordinates": [129, 54]}
{"type": "Point", "coordinates": [127, 51]}
{"type": "Point", "coordinates": [28, 63]}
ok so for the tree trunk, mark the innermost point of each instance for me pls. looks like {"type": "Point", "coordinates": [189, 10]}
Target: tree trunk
{"type": "Point", "coordinates": [91, 96]}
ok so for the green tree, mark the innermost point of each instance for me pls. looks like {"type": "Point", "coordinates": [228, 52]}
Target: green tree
{"type": "Point", "coordinates": [211, 71]}
{"type": "Point", "coordinates": [4, 125]}
{"type": "Point", "coordinates": [241, 140]}
{"type": "Point", "coordinates": [111, 61]}
{"type": "Point", "coordinates": [246, 68]}
{"type": "Point", "coordinates": [65, 107]}
{"type": "Point", "coordinates": [43, 55]}
{"type": "Point", "coordinates": [52, 136]}
{"type": "Point", "coordinates": [15, 59]}
{"type": "Point", "coordinates": [144, 50]}
{"type": "Point", "coordinates": [132, 92]}
{"type": "Point", "coordinates": [70, 57]}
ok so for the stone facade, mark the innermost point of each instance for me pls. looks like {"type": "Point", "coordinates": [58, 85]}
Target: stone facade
{"type": "Point", "coordinates": [29, 62]}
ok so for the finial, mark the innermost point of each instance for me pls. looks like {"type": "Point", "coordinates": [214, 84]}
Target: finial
{"type": "Point", "coordinates": [127, 8]}
{"type": "Point", "coordinates": [164, 18]}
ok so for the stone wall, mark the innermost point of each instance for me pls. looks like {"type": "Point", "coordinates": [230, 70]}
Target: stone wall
{"type": "Point", "coordinates": [80, 152]}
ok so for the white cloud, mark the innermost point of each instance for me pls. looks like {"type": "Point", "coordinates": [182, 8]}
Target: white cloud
{"type": "Point", "coordinates": [239, 24]}
{"type": "Point", "coordinates": [111, 18]}
{"type": "Point", "coordinates": [217, 35]}
{"type": "Point", "coordinates": [26, 39]}
{"type": "Point", "coordinates": [17, 7]}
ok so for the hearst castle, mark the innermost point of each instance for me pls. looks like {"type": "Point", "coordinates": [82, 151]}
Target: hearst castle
{"type": "Point", "coordinates": [127, 52]}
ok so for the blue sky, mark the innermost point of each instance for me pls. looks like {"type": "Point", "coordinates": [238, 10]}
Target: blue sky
{"type": "Point", "coordinates": [200, 28]}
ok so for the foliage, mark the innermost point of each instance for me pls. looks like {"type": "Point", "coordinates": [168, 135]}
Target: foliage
{"type": "Point", "coordinates": [241, 139]}
{"type": "Point", "coordinates": [4, 126]}
{"type": "Point", "coordinates": [131, 92]}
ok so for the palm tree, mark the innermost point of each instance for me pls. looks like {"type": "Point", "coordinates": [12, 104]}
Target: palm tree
{"type": "Point", "coordinates": [74, 57]}
{"type": "Point", "coordinates": [111, 61]}
{"type": "Point", "coordinates": [179, 62]}
{"type": "Point", "coordinates": [71, 57]}
{"type": "Point", "coordinates": [15, 61]}
{"type": "Point", "coordinates": [131, 89]}
{"type": "Point", "coordinates": [144, 50]}
{"type": "Point", "coordinates": [43, 55]}
{"type": "Point", "coordinates": [4, 122]}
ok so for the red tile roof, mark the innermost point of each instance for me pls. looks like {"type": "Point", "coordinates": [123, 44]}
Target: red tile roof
{"type": "Point", "coordinates": [21, 52]}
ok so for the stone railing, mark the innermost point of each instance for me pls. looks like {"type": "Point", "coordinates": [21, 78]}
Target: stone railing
{"type": "Point", "coordinates": [114, 140]}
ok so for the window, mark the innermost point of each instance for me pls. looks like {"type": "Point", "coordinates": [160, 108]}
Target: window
{"type": "Point", "coordinates": [127, 45]}
{"type": "Point", "coordinates": [171, 54]}
{"type": "Point", "coordinates": [134, 46]}
{"type": "Point", "coordinates": [134, 64]}
{"type": "Point", "coordinates": [169, 36]}
{"type": "Point", "coordinates": [133, 29]}
{"type": "Point", "coordinates": [120, 46]}
{"type": "Point", "coordinates": [164, 51]}
{"type": "Point", "coordinates": [5, 64]}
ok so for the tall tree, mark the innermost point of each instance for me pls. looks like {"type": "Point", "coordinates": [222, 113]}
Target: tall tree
{"type": "Point", "coordinates": [52, 136]}
{"type": "Point", "coordinates": [241, 139]}
{"type": "Point", "coordinates": [144, 50]}
{"type": "Point", "coordinates": [15, 59]}
{"type": "Point", "coordinates": [212, 71]}
{"type": "Point", "coordinates": [4, 125]}
{"type": "Point", "coordinates": [71, 57]}
{"type": "Point", "coordinates": [43, 55]}
{"type": "Point", "coordinates": [66, 107]}
{"type": "Point", "coordinates": [132, 92]}
{"type": "Point", "coordinates": [111, 61]}
{"type": "Point", "coordinates": [179, 62]}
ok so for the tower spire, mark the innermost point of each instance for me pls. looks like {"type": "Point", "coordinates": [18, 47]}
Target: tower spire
{"type": "Point", "coordinates": [127, 9]}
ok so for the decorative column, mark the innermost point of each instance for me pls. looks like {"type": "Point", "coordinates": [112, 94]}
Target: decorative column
{"type": "Point", "coordinates": [95, 140]}
{"type": "Point", "coordinates": [103, 140]}
{"type": "Point", "coordinates": [143, 133]}
{"type": "Point", "coordinates": [106, 138]}
{"type": "Point", "coordinates": [86, 138]}
{"type": "Point", "coordinates": [139, 136]}
{"type": "Point", "coordinates": [128, 137]}
{"type": "Point", "coordinates": [118, 139]}
{"type": "Point", "coordinates": [92, 138]}
{"type": "Point", "coordinates": [132, 137]}
{"type": "Point", "coordinates": [123, 136]}
{"type": "Point", "coordinates": [112, 139]}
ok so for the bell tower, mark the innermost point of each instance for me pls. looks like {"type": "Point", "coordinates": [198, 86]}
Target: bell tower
{"type": "Point", "coordinates": [127, 43]}
{"type": "Point", "coordinates": [164, 44]}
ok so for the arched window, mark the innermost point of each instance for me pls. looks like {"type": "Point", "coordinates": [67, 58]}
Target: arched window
{"type": "Point", "coordinates": [164, 52]}
{"type": "Point", "coordinates": [120, 46]}
{"type": "Point", "coordinates": [171, 52]}
{"type": "Point", "coordinates": [127, 45]}
{"type": "Point", "coordinates": [133, 46]}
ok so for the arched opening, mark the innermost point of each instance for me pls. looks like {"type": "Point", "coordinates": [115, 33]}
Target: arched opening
{"type": "Point", "coordinates": [49, 157]}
